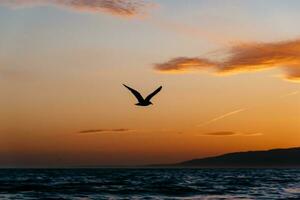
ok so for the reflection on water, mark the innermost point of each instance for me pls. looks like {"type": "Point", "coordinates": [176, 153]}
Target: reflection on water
{"type": "Point", "coordinates": [150, 184]}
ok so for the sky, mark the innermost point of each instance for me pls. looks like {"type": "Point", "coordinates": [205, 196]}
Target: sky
{"type": "Point", "coordinates": [230, 72]}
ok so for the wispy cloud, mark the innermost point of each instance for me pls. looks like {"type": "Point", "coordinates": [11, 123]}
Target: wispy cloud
{"type": "Point", "coordinates": [231, 133]}
{"type": "Point", "coordinates": [221, 133]}
{"type": "Point", "coordinates": [181, 64]}
{"type": "Point", "coordinates": [252, 134]}
{"type": "Point", "coordinates": [222, 117]}
{"type": "Point", "coordinates": [118, 130]}
{"type": "Point", "coordinates": [245, 58]}
{"type": "Point", "coordinates": [125, 8]}
{"type": "Point", "coordinates": [291, 94]}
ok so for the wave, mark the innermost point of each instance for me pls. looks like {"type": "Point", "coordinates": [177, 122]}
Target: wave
{"type": "Point", "coordinates": [150, 184]}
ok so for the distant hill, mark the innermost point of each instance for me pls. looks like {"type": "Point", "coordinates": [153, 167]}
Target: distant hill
{"type": "Point", "coordinates": [271, 158]}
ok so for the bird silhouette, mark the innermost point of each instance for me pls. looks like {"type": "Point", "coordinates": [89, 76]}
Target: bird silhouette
{"type": "Point", "coordinates": [139, 97]}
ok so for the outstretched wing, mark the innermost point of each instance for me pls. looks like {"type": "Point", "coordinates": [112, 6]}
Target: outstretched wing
{"type": "Point", "coordinates": [135, 93]}
{"type": "Point", "coordinates": [149, 97]}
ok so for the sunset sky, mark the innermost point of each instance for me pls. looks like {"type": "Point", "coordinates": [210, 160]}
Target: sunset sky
{"type": "Point", "coordinates": [230, 72]}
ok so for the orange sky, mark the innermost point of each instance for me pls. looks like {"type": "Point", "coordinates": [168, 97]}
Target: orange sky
{"type": "Point", "coordinates": [62, 67]}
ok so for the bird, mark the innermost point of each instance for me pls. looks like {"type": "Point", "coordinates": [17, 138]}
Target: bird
{"type": "Point", "coordinates": [143, 101]}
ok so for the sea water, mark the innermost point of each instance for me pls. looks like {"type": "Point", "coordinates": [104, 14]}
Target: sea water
{"type": "Point", "coordinates": [169, 184]}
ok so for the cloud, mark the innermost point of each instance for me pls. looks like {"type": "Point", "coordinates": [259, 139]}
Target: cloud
{"type": "Point", "coordinates": [252, 134]}
{"type": "Point", "coordinates": [105, 130]}
{"type": "Point", "coordinates": [291, 94]}
{"type": "Point", "coordinates": [293, 73]}
{"type": "Point", "coordinates": [253, 57]}
{"type": "Point", "coordinates": [222, 117]}
{"type": "Point", "coordinates": [231, 133]}
{"type": "Point", "coordinates": [125, 8]}
{"type": "Point", "coordinates": [221, 133]}
{"type": "Point", "coordinates": [184, 64]}
{"type": "Point", "coordinates": [245, 58]}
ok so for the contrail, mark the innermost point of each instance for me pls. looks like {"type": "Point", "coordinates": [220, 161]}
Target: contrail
{"type": "Point", "coordinates": [222, 117]}
{"type": "Point", "coordinates": [243, 109]}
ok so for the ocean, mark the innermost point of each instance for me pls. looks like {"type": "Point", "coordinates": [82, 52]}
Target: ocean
{"type": "Point", "coordinates": [84, 184]}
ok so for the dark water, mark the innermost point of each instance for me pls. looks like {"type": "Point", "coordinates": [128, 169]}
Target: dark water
{"type": "Point", "coordinates": [150, 184]}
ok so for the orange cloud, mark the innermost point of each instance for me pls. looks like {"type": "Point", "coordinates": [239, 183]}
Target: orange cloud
{"type": "Point", "coordinates": [184, 64]}
{"type": "Point", "coordinates": [246, 58]}
{"type": "Point", "coordinates": [231, 133]}
{"type": "Point", "coordinates": [221, 133]}
{"type": "Point", "coordinates": [105, 130]}
{"type": "Point", "coordinates": [127, 8]}
{"type": "Point", "coordinates": [293, 73]}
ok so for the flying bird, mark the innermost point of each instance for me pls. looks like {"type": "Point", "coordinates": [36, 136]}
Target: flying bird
{"type": "Point", "coordinates": [139, 97]}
